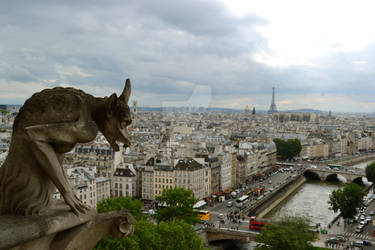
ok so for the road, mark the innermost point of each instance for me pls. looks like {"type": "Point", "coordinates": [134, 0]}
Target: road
{"type": "Point", "coordinates": [221, 207]}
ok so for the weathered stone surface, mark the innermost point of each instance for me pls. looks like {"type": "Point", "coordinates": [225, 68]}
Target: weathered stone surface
{"type": "Point", "coordinates": [49, 124]}
{"type": "Point", "coordinates": [62, 230]}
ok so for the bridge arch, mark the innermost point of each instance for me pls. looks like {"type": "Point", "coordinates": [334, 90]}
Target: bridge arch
{"type": "Point", "coordinates": [358, 180]}
{"type": "Point", "coordinates": [311, 175]}
{"type": "Point", "coordinates": [335, 177]}
{"type": "Point", "coordinates": [215, 234]}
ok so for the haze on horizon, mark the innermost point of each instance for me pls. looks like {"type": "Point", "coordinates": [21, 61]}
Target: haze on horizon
{"type": "Point", "coordinates": [317, 54]}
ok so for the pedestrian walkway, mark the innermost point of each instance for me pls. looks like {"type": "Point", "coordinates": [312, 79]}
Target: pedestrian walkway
{"type": "Point", "coordinates": [359, 236]}
{"type": "Point", "coordinates": [337, 227]}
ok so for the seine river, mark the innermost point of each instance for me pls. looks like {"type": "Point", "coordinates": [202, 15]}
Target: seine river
{"type": "Point", "coordinates": [310, 200]}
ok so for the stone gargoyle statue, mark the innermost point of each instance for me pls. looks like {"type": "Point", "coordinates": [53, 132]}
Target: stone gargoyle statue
{"type": "Point", "coordinates": [49, 124]}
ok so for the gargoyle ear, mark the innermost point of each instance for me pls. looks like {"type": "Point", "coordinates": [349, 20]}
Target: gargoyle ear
{"type": "Point", "coordinates": [112, 102]}
{"type": "Point", "coordinates": [126, 92]}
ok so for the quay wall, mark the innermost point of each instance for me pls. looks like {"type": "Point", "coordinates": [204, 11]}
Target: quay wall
{"type": "Point", "coordinates": [350, 160]}
{"type": "Point", "coordinates": [272, 197]}
{"type": "Point", "coordinates": [285, 195]}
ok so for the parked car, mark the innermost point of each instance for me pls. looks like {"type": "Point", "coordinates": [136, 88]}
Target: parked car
{"type": "Point", "coordinates": [372, 213]}
{"type": "Point", "coordinates": [230, 204]}
{"type": "Point", "coordinates": [366, 243]}
{"type": "Point", "coordinates": [358, 243]}
{"type": "Point", "coordinates": [260, 197]}
{"type": "Point", "coordinates": [332, 241]}
{"type": "Point", "coordinates": [340, 238]}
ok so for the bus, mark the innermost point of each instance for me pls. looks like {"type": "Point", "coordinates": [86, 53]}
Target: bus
{"type": "Point", "coordinates": [251, 192]}
{"type": "Point", "coordinates": [335, 166]}
{"type": "Point", "coordinates": [204, 215]}
{"type": "Point", "coordinates": [284, 164]}
{"type": "Point", "coordinates": [256, 224]}
{"type": "Point", "coordinates": [241, 201]}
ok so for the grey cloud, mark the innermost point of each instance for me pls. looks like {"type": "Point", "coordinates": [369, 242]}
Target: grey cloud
{"type": "Point", "coordinates": [160, 45]}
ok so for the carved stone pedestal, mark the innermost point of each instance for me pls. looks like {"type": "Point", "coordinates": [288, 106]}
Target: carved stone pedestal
{"type": "Point", "coordinates": [62, 230]}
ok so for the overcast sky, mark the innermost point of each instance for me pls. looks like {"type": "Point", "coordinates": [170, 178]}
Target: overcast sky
{"type": "Point", "coordinates": [227, 53]}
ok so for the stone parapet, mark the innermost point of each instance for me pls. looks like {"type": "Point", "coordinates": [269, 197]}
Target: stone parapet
{"type": "Point", "coordinates": [62, 230]}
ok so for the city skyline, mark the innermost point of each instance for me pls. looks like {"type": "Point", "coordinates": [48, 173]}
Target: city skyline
{"type": "Point", "coordinates": [231, 50]}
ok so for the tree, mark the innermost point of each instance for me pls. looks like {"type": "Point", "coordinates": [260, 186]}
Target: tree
{"type": "Point", "coordinates": [178, 234]}
{"type": "Point", "coordinates": [347, 200]}
{"type": "Point", "coordinates": [370, 172]}
{"type": "Point", "coordinates": [286, 233]}
{"type": "Point", "coordinates": [288, 149]}
{"type": "Point", "coordinates": [179, 204]}
{"type": "Point", "coordinates": [145, 237]}
{"type": "Point", "coordinates": [113, 204]}
{"type": "Point", "coordinates": [175, 234]}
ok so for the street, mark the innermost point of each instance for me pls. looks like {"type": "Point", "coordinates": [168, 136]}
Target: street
{"type": "Point", "coordinates": [273, 181]}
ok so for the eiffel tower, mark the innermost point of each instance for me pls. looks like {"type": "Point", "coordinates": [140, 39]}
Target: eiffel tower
{"type": "Point", "coordinates": [273, 108]}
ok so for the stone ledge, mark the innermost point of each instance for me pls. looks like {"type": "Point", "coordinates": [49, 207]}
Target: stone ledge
{"type": "Point", "coordinates": [62, 229]}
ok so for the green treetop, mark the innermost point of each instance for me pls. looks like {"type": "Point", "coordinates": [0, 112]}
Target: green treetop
{"type": "Point", "coordinates": [286, 233]}
{"type": "Point", "coordinates": [370, 172]}
{"type": "Point", "coordinates": [179, 204]}
{"type": "Point", "coordinates": [114, 204]}
{"type": "Point", "coordinates": [347, 200]}
{"type": "Point", "coordinates": [288, 149]}
{"type": "Point", "coordinates": [174, 234]}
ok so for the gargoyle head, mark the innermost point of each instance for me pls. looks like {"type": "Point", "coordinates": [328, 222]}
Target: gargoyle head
{"type": "Point", "coordinates": [118, 118]}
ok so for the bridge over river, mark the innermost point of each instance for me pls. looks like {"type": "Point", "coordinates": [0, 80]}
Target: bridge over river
{"type": "Point", "coordinates": [326, 174]}
{"type": "Point", "coordinates": [210, 234]}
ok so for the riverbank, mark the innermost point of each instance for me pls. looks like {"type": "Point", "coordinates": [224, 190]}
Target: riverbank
{"type": "Point", "coordinates": [351, 160]}
{"type": "Point", "coordinates": [285, 195]}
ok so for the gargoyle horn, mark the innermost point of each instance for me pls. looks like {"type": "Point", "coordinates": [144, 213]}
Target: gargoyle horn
{"type": "Point", "coordinates": [126, 92]}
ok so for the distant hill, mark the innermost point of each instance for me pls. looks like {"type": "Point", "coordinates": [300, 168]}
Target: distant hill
{"type": "Point", "coordinates": [189, 109]}
{"type": "Point", "coordinates": [306, 110]}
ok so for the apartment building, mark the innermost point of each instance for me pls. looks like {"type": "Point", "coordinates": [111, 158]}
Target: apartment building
{"type": "Point", "coordinates": [124, 182]}
{"type": "Point", "coordinates": [103, 188]}
{"type": "Point", "coordinates": [189, 174]}
{"type": "Point", "coordinates": [163, 177]}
